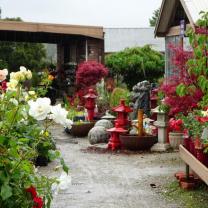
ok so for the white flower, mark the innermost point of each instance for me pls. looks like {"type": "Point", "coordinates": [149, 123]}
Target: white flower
{"type": "Point", "coordinates": [59, 114]}
{"type": "Point", "coordinates": [204, 113]}
{"type": "Point", "coordinates": [23, 69]}
{"type": "Point", "coordinates": [28, 74]}
{"type": "Point", "coordinates": [40, 108]}
{"type": "Point", "coordinates": [31, 92]}
{"type": "Point", "coordinates": [14, 101]}
{"type": "Point", "coordinates": [12, 84]}
{"type": "Point", "coordinates": [64, 183]}
{"type": "Point", "coordinates": [5, 72]}
{"type": "Point", "coordinates": [67, 123]}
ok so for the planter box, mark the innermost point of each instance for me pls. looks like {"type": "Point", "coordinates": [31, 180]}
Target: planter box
{"type": "Point", "coordinates": [200, 169]}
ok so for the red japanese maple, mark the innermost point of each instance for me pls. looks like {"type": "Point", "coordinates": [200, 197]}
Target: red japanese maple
{"type": "Point", "coordinates": [177, 103]}
{"type": "Point", "coordinates": [89, 73]}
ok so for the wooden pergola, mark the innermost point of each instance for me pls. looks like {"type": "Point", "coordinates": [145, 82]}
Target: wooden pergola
{"type": "Point", "coordinates": [75, 43]}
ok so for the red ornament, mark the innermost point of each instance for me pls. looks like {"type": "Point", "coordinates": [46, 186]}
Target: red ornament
{"type": "Point", "coordinates": [114, 142]}
{"type": "Point", "coordinates": [90, 103]}
{"type": "Point", "coordinates": [122, 116]}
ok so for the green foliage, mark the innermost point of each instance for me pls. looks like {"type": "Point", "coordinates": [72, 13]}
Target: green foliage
{"type": "Point", "coordinates": [155, 16]}
{"type": "Point", "coordinates": [117, 95]}
{"type": "Point", "coordinates": [198, 65]}
{"type": "Point", "coordinates": [136, 64]}
{"type": "Point", "coordinates": [197, 198]}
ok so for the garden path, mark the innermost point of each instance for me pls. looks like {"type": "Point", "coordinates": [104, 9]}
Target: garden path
{"type": "Point", "coordinates": [106, 180]}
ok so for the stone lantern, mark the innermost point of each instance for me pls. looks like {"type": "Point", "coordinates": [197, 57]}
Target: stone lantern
{"type": "Point", "coordinates": [114, 141]}
{"type": "Point", "coordinates": [162, 125]}
{"type": "Point", "coordinates": [122, 114]}
{"type": "Point", "coordinates": [90, 103]}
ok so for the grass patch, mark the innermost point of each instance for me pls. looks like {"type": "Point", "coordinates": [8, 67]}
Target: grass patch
{"type": "Point", "coordinates": [197, 198]}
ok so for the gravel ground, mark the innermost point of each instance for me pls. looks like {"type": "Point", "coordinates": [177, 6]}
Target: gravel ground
{"type": "Point", "coordinates": [113, 180]}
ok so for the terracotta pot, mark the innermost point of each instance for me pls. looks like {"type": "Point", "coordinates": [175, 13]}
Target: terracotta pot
{"type": "Point", "coordinates": [135, 142]}
{"type": "Point", "coordinates": [82, 129]}
{"type": "Point", "coordinates": [187, 183]}
{"type": "Point", "coordinates": [175, 139]}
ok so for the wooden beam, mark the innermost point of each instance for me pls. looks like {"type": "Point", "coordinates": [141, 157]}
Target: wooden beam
{"type": "Point", "coordinates": [90, 31]}
{"type": "Point", "coordinates": [175, 31]}
{"type": "Point", "coordinates": [195, 165]}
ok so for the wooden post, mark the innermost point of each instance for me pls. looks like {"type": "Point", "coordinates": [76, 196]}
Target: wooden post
{"type": "Point", "coordinates": [140, 122]}
{"type": "Point", "coordinates": [86, 50]}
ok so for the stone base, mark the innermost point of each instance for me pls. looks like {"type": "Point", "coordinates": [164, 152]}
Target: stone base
{"type": "Point", "coordinates": [160, 147]}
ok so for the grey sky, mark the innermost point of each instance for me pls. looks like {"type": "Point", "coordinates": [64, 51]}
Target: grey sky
{"type": "Point", "coordinates": [107, 13]}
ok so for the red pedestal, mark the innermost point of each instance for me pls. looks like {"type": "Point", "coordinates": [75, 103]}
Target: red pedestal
{"type": "Point", "coordinates": [114, 142]}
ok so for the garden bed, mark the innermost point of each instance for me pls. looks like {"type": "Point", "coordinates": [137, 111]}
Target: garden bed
{"type": "Point", "coordinates": [200, 169]}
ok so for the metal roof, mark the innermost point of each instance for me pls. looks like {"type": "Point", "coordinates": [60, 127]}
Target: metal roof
{"type": "Point", "coordinates": [117, 39]}
{"type": "Point", "coordinates": [192, 9]}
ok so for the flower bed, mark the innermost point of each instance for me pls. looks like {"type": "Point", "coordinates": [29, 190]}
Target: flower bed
{"type": "Point", "coordinates": [24, 135]}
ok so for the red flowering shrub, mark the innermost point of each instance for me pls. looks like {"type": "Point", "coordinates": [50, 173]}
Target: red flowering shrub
{"type": "Point", "coordinates": [175, 102]}
{"type": "Point", "coordinates": [89, 73]}
{"type": "Point", "coordinates": [176, 125]}
{"type": "Point", "coordinates": [38, 202]}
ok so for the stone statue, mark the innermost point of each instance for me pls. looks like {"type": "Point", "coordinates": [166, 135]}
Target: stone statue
{"type": "Point", "coordinates": [141, 98]}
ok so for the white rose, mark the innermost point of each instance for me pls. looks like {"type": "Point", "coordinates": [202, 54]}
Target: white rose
{"type": "Point", "coordinates": [28, 74]}
{"type": "Point", "coordinates": [23, 69]}
{"type": "Point", "coordinates": [14, 101]}
{"type": "Point", "coordinates": [40, 108]}
{"type": "Point", "coordinates": [31, 92]}
{"type": "Point", "coordinates": [59, 114]}
{"type": "Point", "coordinates": [12, 84]}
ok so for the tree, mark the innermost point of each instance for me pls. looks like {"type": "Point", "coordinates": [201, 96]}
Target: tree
{"type": "Point", "coordinates": [136, 64]}
{"type": "Point", "coordinates": [153, 19]}
{"type": "Point", "coordinates": [15, 54]}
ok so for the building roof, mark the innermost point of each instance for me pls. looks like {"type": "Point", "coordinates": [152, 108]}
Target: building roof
{"type": "Point", "coordinates": [192, 9]}
{"type": "Point", "coordinates": [51, 29]}
{"type": "Point", "coordinates": [117, 39]}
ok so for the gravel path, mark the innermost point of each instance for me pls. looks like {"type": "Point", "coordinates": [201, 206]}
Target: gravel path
{"type": "Point", "coordinates": [109, 180]}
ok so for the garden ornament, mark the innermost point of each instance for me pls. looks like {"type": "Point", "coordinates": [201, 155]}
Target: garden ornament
{"type": "Point", "coordinates": [141, 98]}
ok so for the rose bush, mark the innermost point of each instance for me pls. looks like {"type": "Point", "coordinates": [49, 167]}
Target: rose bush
{"type": "Point", "coordinates": [24, 123]}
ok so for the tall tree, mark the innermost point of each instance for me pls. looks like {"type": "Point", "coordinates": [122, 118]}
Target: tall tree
{"type": "Point", "coordinates": [153, 19]}
{"type": "Point", "coordinates": [136, 64]}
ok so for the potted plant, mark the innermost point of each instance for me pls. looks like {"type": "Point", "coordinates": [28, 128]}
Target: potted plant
{"type": "Point", "coordinates": [176, 132]}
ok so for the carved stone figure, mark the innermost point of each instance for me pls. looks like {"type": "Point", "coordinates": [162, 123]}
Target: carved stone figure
{"type": "Point", "coordinates": [141, 98]}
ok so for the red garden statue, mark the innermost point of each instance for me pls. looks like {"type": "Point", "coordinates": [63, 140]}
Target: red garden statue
{"type": "Point", "coordinates": [114, 142]}
{"type": "Point", "coordinates": [122, 116]}
{"type": "Point", "coordinates": [90, 103]}
{"type": "Point", "coordinates": [121, 123]}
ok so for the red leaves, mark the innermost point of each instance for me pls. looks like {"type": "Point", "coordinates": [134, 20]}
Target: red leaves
{"type": "Point", "coordinates": [38, 202]}
{"type": "Point", "coordinates": [89, 73]}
